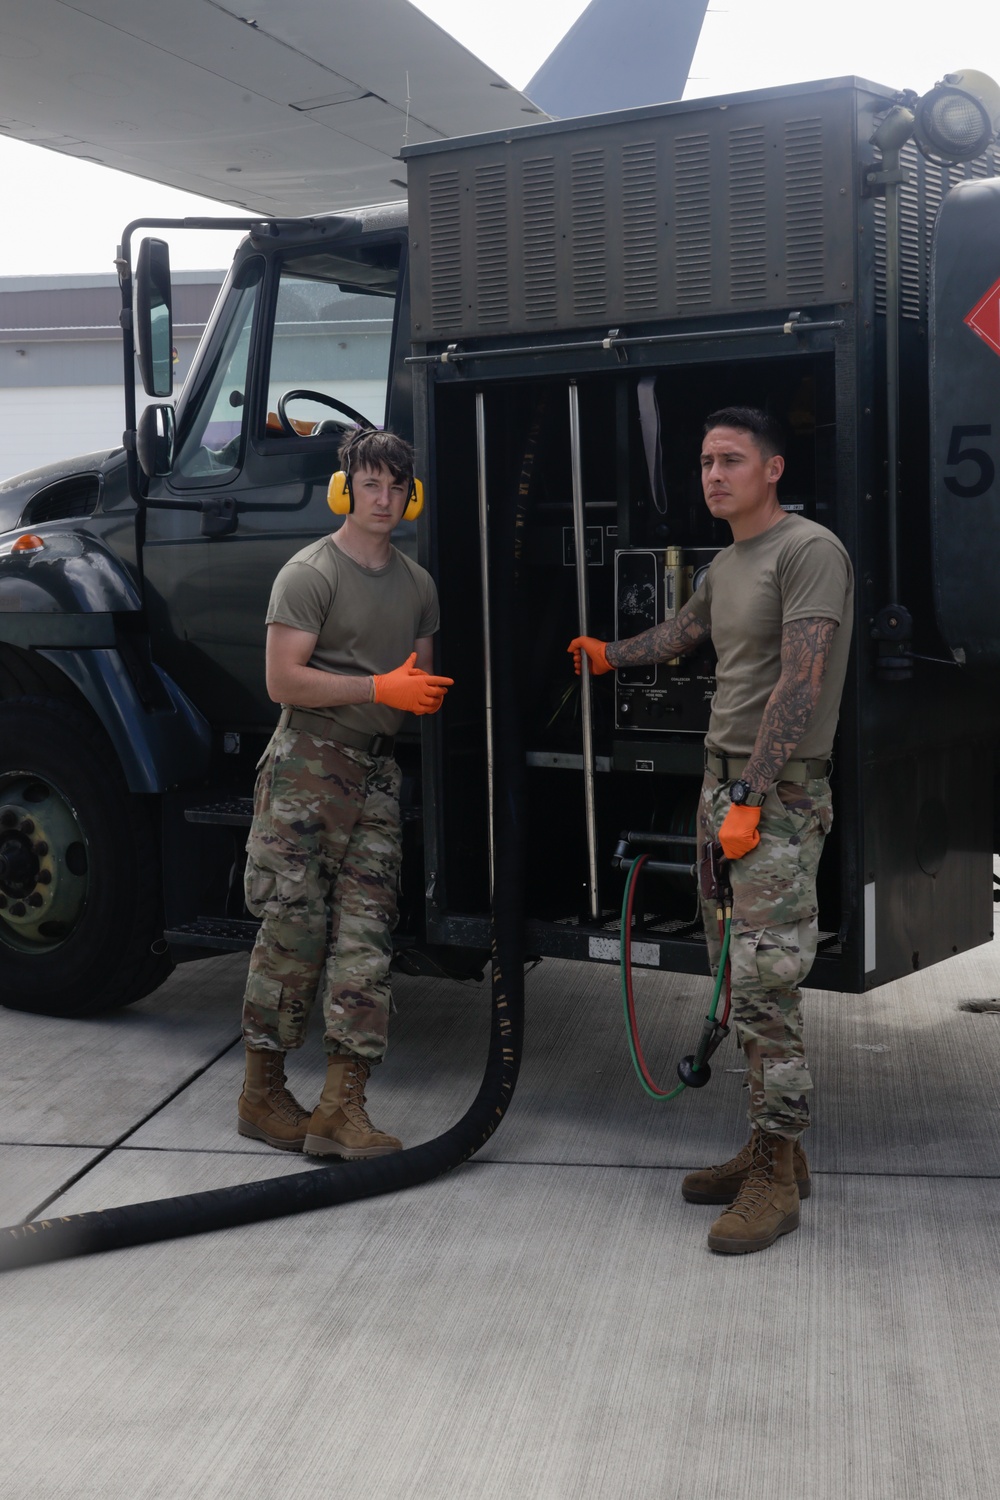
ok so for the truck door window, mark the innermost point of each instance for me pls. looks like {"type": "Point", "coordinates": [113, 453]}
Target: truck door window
{"type": "Point", "coordinates": [211, 426]}
{"type": "Point", "coordinates": [332, 338]}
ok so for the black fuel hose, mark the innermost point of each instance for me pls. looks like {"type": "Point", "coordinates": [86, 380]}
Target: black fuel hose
{"type": "Point", "coordinates": [249, 1203]}
{"type": "Point", "coordinates": [323, 1187]}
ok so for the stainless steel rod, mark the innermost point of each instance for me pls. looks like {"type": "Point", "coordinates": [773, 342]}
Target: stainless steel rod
{"type": "Point", "coordinates": [583, 611]}
{"type": "Point", "coordinates": [454, 356]}
{"type": "Point", "coordinates": [484, 577]}
{"type": "Point", "coordinates": [655, 840]}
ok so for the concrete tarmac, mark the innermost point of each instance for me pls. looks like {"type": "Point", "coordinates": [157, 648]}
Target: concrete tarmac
{"type": "Point", "coordinates": [545, 1322]}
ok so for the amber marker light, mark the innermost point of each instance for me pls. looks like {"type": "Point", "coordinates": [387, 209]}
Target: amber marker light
{"type": "Point", "coordinates": [29, 542]}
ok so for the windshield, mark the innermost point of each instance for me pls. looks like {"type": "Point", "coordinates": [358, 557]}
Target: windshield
{"type": "Point", "coordinates": [332, 338]}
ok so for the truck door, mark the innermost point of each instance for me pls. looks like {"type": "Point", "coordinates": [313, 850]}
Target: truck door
{"type": "Point", "coordinates": [302, 351]}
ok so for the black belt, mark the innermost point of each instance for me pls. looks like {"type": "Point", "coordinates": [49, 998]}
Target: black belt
{"type": "Point", "coordinates": [729, 767]}
{"type": "Point", "coordinates": [328, 729]}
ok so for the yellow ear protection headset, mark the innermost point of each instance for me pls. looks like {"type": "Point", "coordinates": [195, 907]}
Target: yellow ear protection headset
{"type": "Point", "coordinates": [340, 497]}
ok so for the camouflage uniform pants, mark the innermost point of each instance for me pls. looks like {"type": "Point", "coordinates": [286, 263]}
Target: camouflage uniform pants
{"type": "Point", "coordinates": [322, 861]}
{"type": "Point", "coordinates": [773, 940]}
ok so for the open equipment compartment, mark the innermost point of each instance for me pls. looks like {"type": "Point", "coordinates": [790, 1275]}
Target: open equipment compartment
{"type": "Point", "coordinates": [700, 254]}
{"type": "Point", "coordinates": [648, 725]}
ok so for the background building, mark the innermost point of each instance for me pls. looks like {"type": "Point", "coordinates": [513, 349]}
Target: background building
{"type": "Point", "coordinates": [61, 361]}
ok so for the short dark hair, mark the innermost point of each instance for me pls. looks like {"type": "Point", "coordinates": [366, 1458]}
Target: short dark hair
{"type": "Point", "coordinates": [372, 448]}
{"type": "Point", "coordinates": [765, 431]}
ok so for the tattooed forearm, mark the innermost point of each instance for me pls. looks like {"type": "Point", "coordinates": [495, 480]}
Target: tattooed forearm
{"type": "Point", "coordinates": [805, 651]}
{"type": "Point", "coordinates": [672, 638]}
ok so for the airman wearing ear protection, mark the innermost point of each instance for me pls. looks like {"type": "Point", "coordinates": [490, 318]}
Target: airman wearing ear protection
{"type": "Point", "coordinates": [340, 496]}
{"type": "Point", "coordinates": [349, 652]}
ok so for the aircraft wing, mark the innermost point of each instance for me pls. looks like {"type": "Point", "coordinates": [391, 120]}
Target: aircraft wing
{"type": "Point", "coordinates": [276, 106]}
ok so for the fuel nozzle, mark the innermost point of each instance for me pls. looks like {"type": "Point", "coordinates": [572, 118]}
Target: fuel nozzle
{"type": "Point", "coordinates": [713, 875]}
{"type": "Point", "coordinates": [693, 1069]}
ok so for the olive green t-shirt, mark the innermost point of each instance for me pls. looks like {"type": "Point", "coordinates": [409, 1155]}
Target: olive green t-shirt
{"type": "Point", "coordinates": [366, 620]}
{"type": "Point", "coordinates": [797, 570]}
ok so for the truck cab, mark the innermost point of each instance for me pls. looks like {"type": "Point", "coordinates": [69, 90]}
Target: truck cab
{"type": "Point", "coordinates": [132, 607]}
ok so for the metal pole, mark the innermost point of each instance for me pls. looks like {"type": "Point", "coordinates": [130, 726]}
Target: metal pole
{"type": "Point", "coordinates": [484, 577]}
{"type": "Point", "coordinates": [453, 355]}
{"type": "Point", "coordinates": [892, 369]}
{"type": "Point", "coordinates": [582, 606]}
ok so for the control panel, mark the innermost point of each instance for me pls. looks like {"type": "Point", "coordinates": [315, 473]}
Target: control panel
{"type": "Point", "coordinates": [651, 585]}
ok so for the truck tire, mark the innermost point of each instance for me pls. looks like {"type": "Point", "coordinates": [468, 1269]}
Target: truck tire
{"type": "Point", "coordinates": [81, 928]}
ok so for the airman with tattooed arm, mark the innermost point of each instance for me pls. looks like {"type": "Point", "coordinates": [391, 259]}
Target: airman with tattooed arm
{"type": "Point", "coordinates": [778, 606]}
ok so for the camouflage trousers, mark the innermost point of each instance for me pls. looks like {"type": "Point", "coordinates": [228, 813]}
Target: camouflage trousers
{"type": "Point", "coordinates": [322, 863]}
{"type": "Point", "coordinates": [773, 941]}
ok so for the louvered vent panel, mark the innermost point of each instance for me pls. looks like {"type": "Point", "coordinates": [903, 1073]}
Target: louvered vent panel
{"type": "Point", "coordinates": [693, 240]}
{"type": "Point", "coordinates": [910, 282]}
{"type": "Point", "coordinates": [639, 228]}
{"type": "Point", "coordinates": [680, 212]}
{"type": "Point", "coordinates": [933, 196]}
{"type": "Point", "coordinates": [919, 203]}
{"type": "Point", "coordinates": [539, 229]}
{"type": "Point", "coordinates": [747, 215]}
{"type": "Point", "coordinates": [879, 215]}
{"type": "Point", "coordinates": [64, 501]}
{"type": "Point", "coordinates": [590, 239]}
{"type": "Point", "coordinates": [444, 220]}
{"type": "Point", "coordinates": [805, 244]}
{"type": "Point", "coordinates": [492, 286]}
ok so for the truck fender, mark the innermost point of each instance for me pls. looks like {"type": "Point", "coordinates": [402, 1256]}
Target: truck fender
{"type": "Point", "coordinates": [160, 744]}
{"type": "Point", "coordinates": [72, 572]}
{"type": "Point", "coordinates": [73, 603]}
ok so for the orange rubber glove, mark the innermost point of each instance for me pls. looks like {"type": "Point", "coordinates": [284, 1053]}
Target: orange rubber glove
{"type": "Point", "coordinates": [411, 689]}
{"type": "Point", "coordinates": [597, 654]}
{"type": "Point", "coordinates": [738, 834]}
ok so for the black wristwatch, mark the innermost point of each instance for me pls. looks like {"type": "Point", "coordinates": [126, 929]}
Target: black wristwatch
{"type": "Point", "coordinates": [741, 795]}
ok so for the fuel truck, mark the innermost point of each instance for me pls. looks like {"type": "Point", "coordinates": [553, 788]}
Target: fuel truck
{"type": "Point", "coordinates": [550, 317]}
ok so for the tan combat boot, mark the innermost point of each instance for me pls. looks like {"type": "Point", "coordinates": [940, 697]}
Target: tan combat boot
{"type": "Point", "coordinates": [767, 1204]}
{"type": "Point", "coordinates": [267, 1111]}
{"type": "Point", "coordinates": [721, 1184]}
{"type": "Point", "coordinates": [339, 1125]}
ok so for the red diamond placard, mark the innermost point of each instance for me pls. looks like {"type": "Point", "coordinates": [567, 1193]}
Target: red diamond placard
{"type": "Point", "coordinates": [984, 318]}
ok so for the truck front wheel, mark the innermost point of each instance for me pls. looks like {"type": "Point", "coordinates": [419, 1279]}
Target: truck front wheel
{"type": "Point", "coordinates": [80, 924]}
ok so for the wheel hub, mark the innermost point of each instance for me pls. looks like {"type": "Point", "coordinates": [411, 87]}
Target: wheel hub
{"type": "Point", "coordinates": [19, 865]}
{"type": "Point", "coordinates": [43, 864]}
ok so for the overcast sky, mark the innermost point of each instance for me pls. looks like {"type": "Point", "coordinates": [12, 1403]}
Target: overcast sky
{"type": "Point", "coordinates": [66, 215]}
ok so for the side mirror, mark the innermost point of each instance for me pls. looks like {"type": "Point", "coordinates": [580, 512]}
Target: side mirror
{"type": "Point", "coordinates": [153, 318]}
{"type": "Point", "coordinates": [154, 441]}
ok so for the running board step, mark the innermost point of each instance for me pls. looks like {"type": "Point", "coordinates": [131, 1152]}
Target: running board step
{"type": "Point", "coordinates": [236, 811]}
{"type": "Point", "coordinates": [225, 934]}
